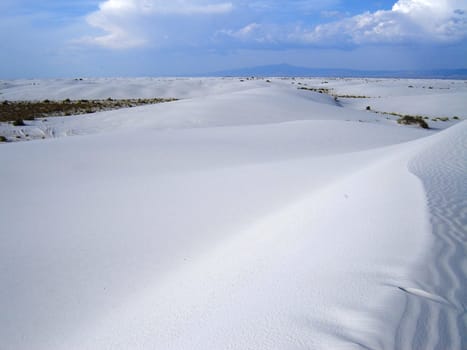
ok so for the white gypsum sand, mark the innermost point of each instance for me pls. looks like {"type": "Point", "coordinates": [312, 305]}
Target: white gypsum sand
{"type": "Point", "coordinates": [246, 215]}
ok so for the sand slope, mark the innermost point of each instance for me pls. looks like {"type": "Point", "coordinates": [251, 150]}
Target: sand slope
{"type": "Point", "coordinates": [435, 304]}
{"type": "Point", "coordinates": [262, 218]}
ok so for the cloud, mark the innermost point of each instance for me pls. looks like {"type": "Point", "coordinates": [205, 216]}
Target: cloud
{"type": "Point", "coordinates": [246, 32]}
{"type": "Point", "coordinates": [129, 23]}
{"type": "Point", "coordinates": [409, 21]}
{"type": "Point", "coordinates": [148, 7]}
{"type": "Point", "coordinates": [124, 24]}
{"type": "Point", "coordinates": [439, 21]}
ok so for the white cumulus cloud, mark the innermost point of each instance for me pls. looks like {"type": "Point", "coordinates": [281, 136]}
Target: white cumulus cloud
{"type": "Point", "coordinates": [133, 23]}
{"type": "Point", "coordinates": [126, 23]}
{"type": "Point", "coordinates": [408, 21]}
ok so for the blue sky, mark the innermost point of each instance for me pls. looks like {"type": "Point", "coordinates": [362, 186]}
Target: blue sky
{"type": "Point", "coordinates": [53, 38]}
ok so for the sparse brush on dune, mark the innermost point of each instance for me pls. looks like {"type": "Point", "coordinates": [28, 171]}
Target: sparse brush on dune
{"type": "Point", "coordinates": [411, 120]}
{"type": "Point", "coordinates": [29, 110]}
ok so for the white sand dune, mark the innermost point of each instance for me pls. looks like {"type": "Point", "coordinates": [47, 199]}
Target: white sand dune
{"type": "Point", "coordinates": [252, 216]}
{"type": "Point", "coordinates": [272, 105]}
{"type": "Point", "coordinates": [102, 88]}
{"type": "Point", "coordinates": [428, 98]}
{"type": "Point", "coordinates": [437, 303]}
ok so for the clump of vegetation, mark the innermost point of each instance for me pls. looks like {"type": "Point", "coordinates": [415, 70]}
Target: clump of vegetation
{"type": "Point", "coordinates": [318, 90]}
{"type": "Point", "coordinates": [3, 139]}
{"type": "Point", "coordinates": [368, 108]}
{"type": "Point", "coordinates": [322, 90]}
{"type": "Point", "coordinates": [352, 96]}
{"type": "Point", "coordinates": [455, 118]}
{"type": "Point", "coordinates": [18, 111]}
{"type": "Point", "coordinates": [441, 119]}
{"type": "Point", "coordinates": [19, 122]}
{"type": "Point", "coordinates": [411, 120]}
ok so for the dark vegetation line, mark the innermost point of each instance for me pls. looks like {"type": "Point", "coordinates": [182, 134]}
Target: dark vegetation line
{"type": "Point", "coordinates": [404, 119]}
{"type": "Point", "coordinates": [408, 119]}
{"type": "Point", "coordinates": [18, 111]}
{"type": "Point", "coordinates": [328, 91]}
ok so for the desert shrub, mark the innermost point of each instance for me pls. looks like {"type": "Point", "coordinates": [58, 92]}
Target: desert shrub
{"type": "Point", "coordinates": [29, 110]}
{"type": "Point", "coordinates": [319, 90]}
{"type": "Point", "coordinates": [352, 96]}
{"type": "Point", "coordinates": [444, 119]}
{"type": "Point", "coordinates": [455, 117]}
{"type": "Point", "coordinates": [3, 139]}
{"type": "Point", "coordinates": [410, 120]}
{"type": "Point", "coordinates": [19, 122]}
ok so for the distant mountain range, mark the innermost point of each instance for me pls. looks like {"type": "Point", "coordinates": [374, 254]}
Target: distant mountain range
{"type": "Point", "coordinates": [285, 70]}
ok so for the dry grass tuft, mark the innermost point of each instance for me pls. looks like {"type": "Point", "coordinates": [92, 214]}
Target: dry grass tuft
{"type": "Point", "coordinates": [18, 111]}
